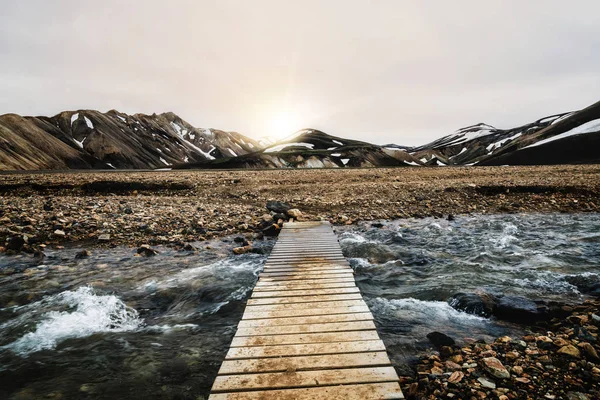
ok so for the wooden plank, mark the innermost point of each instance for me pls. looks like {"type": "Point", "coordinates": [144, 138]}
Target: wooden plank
{"type": "Point", "coordinates": [304, 363]}
{"type": "Point", "coordinates": [361, 346]}
{"type": "Point", "coordinates": [300, 293]}
{"type": "Point", "coordinates": [304, 277]}
{"type": "Point", "coordinates": [301, 270]}
{"type": "Point", "coordinates": [248, 314]}
{"type": "Point", "coordinates": [315, 319]}
{"type": "Point", "coordinates": [301, 306]}
{"type": "Point", "coordinates": [305, 286]}
{"type": "Point", "coordinates": [369, 391]}
{"type": "Point", "coordinates": [304, 299]}
{"type": "Point", "coordinates": [303, 338]}
{"type": "Point", "coordinates": [305, 378]}
{"type": "Point", "coordinates": [305, 328]}
{"type": "Point", "coordinates": [304, 282]}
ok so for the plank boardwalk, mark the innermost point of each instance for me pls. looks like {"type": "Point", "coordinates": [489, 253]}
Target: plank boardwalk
{"type": "Point", "coordinates": [306, 332]}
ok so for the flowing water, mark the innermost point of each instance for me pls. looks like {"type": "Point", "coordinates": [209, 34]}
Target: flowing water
{"type": "Point", "coordinates": [118, 326]}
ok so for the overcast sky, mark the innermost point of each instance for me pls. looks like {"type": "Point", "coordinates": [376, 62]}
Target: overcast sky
{"type": "Point", "coordinates": [382, 71]}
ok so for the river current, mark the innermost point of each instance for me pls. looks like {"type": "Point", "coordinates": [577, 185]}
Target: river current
{"type": "Point", "coordinates": [115, 325]}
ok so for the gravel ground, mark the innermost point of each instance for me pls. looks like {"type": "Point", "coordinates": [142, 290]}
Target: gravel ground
{"type": "Point", "coordinates": [132, 208]}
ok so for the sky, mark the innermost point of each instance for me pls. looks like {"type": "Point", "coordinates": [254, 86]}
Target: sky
{"type": "Point", "coordinates": [404, 72]}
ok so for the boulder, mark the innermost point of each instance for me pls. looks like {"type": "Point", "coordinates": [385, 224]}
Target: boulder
{"type": "Point", "coordinates": [472, 303]}
{"type": "Point", "coordinates": [439, 339]}
{"type": "Point", "coordinates": [278, 206]}
{"type": "Point", "coordinates": [519, 309]}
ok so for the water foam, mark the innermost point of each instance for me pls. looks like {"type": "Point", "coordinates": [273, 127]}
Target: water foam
{"type": "Point", "coordinates": [87, 313]}
{"type": "Point", "coordinates": [418, 310]}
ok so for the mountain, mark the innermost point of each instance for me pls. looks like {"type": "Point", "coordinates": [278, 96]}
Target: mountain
{"type": "Point", "coordinates": [91, 139]}
{"type": "Point", "coordinates": [565, 138]}
{"type": "Point", "coordinates": [312, 148]}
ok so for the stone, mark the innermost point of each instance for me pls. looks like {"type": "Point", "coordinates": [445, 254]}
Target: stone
{"type": "Point", "coordinates": [452, 366]}
{"type": "Point", "coordinates": [456, 377]}
{"type": "Point", "coordinates": [243, 249]}
{"type": "Point", "coordinates": [485, 383]}
{"type": "Point", "coordinates": [271, 230]}
{"type": "Point", "coordinates": [60, 233]}
{"type": "Point", "coordinates": [105, 237]}
{"type": "Point", "coordinates": [522, 380]}
{"type": "Point", "coordinates": [570, 351]}
{"type": "Point", "coordinates": [589, 351]}
{"type": "Point", "coordinates": [278, 206]}
{"type": "Point", "coordinates": [146, 251]}
{"type": "Point", "coordinates": [294, 213]}
{"type": "Point", "coordinates": [577, 396]}
{"type": "Point", "coordinates": [82, 254]}
{"type": "Point", "coordinates": [518, 309]}
{"type": "Point", "coordinates": [495, 368]}
{"type": "Point", "coordinates": [472, 303]}
{"type": "Point", "coordinates": [439, 339]}
{"type": "Point", "coordinates": [15, 243]}
{"type": "Point", "coordinates": [517, 369]}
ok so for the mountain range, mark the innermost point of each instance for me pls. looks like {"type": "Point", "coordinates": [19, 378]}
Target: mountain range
{"type": "Point", "coordinates": [88, 139]}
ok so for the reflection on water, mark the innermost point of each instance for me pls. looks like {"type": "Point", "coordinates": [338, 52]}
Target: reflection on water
{"type": "Point", "coordinates": [115, 326]}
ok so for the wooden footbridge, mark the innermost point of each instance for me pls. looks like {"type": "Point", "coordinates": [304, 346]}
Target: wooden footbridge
{"type": "Point", "coordinates": [306, 332]}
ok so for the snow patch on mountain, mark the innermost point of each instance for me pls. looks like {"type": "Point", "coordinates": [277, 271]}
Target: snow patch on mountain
{"type": "Point", "coordinates": [588, 127]}
{"type": "Point", "coordinates": [280, 147]}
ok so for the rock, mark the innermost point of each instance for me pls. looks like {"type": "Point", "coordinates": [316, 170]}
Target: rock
{"type": "Point", "coordinates": [452, 366]}
{"type": "Point", "coordinates": [577, 396]}
{"type": "Point", "coordinates": [189, 247]}
{"type": "Point", "coordinates": [446, 351]}
{"type": "Point", "coordinates": [517, 369]}
{"type": "Point", "coordinates": [495, 368]}
{"type": "Point", "coordinates": [271, 230]}
{"type": "Point", "coordinates": [518, 309]}
{"type": "Point", "coordinates": [451, 217]}
{"type": "Point", "coordinates": [456, 377]}
{"type": "Point", "coordinates": [243, 249]}
{"type": "Point", "coordinates": [439, 339]}
{"type": "Point", "coordinates": [436, 371]}
{"type": "Point", "coordinates": [589, 351]}
{"type": "Point", "coordinates": [59, 233]}
{"type": "Point", "coordinates": [522, 380]}
{"type": "Point", "coordinates": [278, 206]}
{"type": "Point", "coordinates": [146, 251]}
{"type": "Point", "coordinates": [15, 243]}
{"type": "Point", "coordinates": [570, 351]}
{"type": "Point", "coordinates": [485, 383]}
{"type": "Point", "coordinates": [240, 239]}
{"type": "Point", "coordinates": [472, 303]}
{"type": "Point", "coordinates": [105, 237]}
{"type": "Point", "coordinates": [294, 213]}
{"type": "Point", "coordinates": [82, 254]}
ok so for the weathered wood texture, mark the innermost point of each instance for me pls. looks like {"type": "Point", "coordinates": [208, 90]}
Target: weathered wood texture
{"type": "Point", "coordinates": [306, 332]}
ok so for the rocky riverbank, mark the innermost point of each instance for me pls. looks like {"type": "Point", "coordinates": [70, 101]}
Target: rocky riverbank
{"type": "Point", "coordinates": [555, 360]}
{"type": "Point", "coordinates": [175, 207]}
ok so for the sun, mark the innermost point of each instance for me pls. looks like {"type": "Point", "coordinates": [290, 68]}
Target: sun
{"type": "Point", "coordinates": [284, 124]}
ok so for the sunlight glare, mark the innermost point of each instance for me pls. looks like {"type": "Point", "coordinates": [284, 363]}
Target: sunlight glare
{"type": "Point", "coordinates": [283, 125]}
